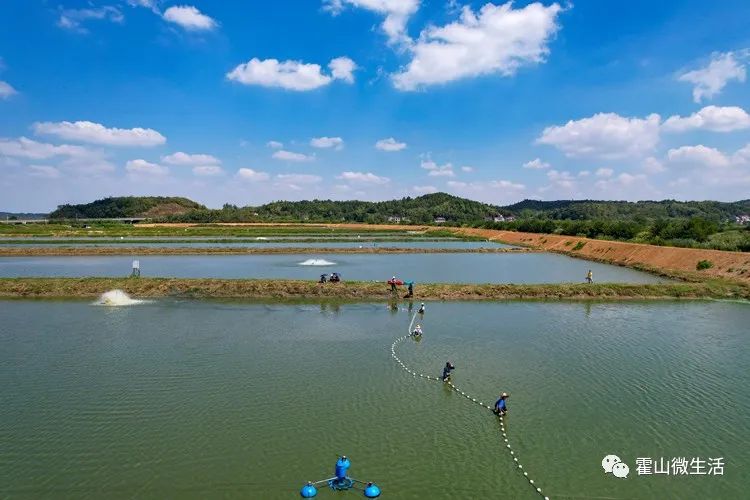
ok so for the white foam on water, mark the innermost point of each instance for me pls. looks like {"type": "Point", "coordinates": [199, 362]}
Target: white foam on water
{"type": "Point", "coordinates": [117, 298]}
{"type": "Point", "coordinates": [317, 262]}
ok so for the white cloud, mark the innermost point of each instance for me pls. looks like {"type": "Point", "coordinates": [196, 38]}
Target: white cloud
{"type": "Point", "coordinates": [290, 75]}
{"type": "Point", "coordinates": [742, 156]}
{"type": "Point", "coordinates": [342, 68]}
{"type": "Point", "coordinates": [653, 166]}
{"type": "Point", "coordinates": [291, 156]}
{"type": "Point", "coordinates": [699, 155]}
{"type": "Point", "coordinates": [72, 19]}
{"type": "Point", "coordinates": [249, 174]}
{"type": "Point", "coordinates": [363, 177]}
{"type": "Point", "coordinates": [144, 168]}
{"type": "Point", "coordinates": [536, 164]}
{"type": "Point", "coordinates": [713, 118]}
{"type": "Point", "coordinates": [438, 170]}
{"type": "Point", "coordinates": [497, 40]}
{"type": "Point", "coordinates": [6, 90]}
{"type": "Point", "coordinates": [96, 133]}
{"type": "Point", "coordinates": [564, 179]}
{"type": "Point", "coordinates": [33, 150]}
{"type": "Point", "coordinates": [710, 80]}
{"type": "Point", "coordinates": [390, 144]}
{"type": "Point", "coordinates": [608, 136]}
{"type": "Point", "coordinates": [149, 4]}
{"type": "Point", "coordinates": [44, 171]}
{"type": "Point", "coordinates": [275, 144]}
{"type": "Point", "coordinates": [604, 172]}
{"type": "Point", "coordinates": [189, 18]}
{"type": "Point", "coordinates": [207, 170]}
{"type": "Point", "coordinates": [396, 12]}
{"type": "Point", "coordinates": [467, 169]}
{"type": "Point", "coordinates": [180, 158]}
{"type": "Point", "coordinates": [487, 188]}
{"type": "Point", "coordinates": [336, 143]}
{"type": "Point", "coordinates": [424, 189]}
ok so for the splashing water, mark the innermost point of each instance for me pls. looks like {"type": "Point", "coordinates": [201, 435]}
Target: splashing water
{"type": "Point", "coordinates": [317, 262]}
{"type": "Point", "coordinates": [116, 298]}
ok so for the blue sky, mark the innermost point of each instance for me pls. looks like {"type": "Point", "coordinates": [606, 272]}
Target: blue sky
{"type": "Point", "coordinates": [248, 102]}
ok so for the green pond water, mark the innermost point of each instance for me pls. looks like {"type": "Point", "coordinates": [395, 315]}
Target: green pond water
{"type": "Point", "coordinates": [174, 399]}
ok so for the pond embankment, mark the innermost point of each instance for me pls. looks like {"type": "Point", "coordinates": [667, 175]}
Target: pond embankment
{"type": "Point", "coordinates": [358, 291]}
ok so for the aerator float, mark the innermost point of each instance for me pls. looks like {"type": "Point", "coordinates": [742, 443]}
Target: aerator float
{"type": "Point", "coordinates": [340, 482]}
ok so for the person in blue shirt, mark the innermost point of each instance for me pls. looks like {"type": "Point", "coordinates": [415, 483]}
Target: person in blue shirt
{"type": "Point", "coordinates": [500, 406]}
{"type": "Point", "coordinates": [447, 371]}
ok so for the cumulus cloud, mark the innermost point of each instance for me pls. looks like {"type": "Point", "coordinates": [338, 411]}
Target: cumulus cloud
{"type": "Point", "coordinates": [44, 172]}
{"type": "Point", "coordinates": [144, 168]}
{"type": "Point", "coordinates": [699, 155]}
{"type": "Point", "coordinates": [607, 136]}
{"type": "Point", "coordinates": [96, 133]}
{"type": "Point", "coordinates": [342, 68]}
{"type": "Point", "coordinates": [390, 145]}
{"type": "Point", "coordinates": [185, 159]}
{"type": "Point", "coordinates": [291, 75]}
{"type": "Point", "coordinates": [713, 118]}
{"type": "Point", "coordinates": [275, 144]}
{"type": "Point", "coordinates": [33, 150]}
{"type": "Point", "coordinates": [208, 171]}
{"type": "Point", "coordinates": [73, 19]}
{"type": "Point", "coordinates": [604, 172]}
{"type": "Point", "coordinates": [497, 39]}
{"type": "Point", "coordinates": [282, 154]}
{"type": "Point", "coordinates": [189, 18]}
{"type": "Point", "coordinates": [711, 80]}
{"type": "Point", "coordinates": [436, 170]}
{"type": "Point", "coordinates": [336, 143]}
{"type": "Point", "coordinates": [396, 12]}
{"type": "Point", "coordinates": [6, 90]}
{"type": "Point", "coordinates": [653, 166]}
{"type": "Point", "coordinates": [248, 174]}
{"type": "Point", "coordinates": [536, 164]}
{"type": "Point", "coordinates": [296, 181]}
{"type": "Point", "coordinates": [467, 169]}
{"type": "Point", "coordinates": [363, 177]}
{"type": "Point", "coordinates": [742, 156]}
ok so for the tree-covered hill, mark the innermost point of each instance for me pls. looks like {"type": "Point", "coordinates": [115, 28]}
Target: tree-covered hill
{"type": "Point", "coordinates": [127, 206]}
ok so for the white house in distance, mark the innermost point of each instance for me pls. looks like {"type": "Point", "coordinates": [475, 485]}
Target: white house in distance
{"type": "Point", "coordinates": [440, 220]}
{"type": "Point", "coordinates": [398, 220]}
{"type": "Point", "coordinates": [742, 219]}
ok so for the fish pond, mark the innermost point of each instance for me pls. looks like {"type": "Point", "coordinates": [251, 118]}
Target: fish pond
{"type": "Point", "coordinates": [421, 268]}
{"type": "Point", "coordinates": [183, 399]}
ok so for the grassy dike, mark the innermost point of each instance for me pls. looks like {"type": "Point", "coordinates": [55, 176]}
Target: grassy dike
{"type": "Point", "coordinates": [94, 250]}
{"type": "Point", "coordinates": [89, 288]}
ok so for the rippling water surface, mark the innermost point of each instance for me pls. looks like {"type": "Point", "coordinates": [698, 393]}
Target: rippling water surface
{"type": "Point", "coordinates": [224, 400]}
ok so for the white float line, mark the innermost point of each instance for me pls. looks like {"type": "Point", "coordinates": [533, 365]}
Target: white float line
{"type": "Point", "coordinates": [473, 400]}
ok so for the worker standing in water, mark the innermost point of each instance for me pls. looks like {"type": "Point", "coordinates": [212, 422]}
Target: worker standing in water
{"type": "Point", "coordinates": [421, 309]}
{"type": "Point", "coordinates": [500, 406]}
{"type": "Point", "coordinates": [447, 371]}
{"type": "Point", "coordinates": [589, 277]}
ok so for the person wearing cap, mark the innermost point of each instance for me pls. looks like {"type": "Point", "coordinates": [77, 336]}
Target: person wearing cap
{"type": "Point", "coordinates": [417, 331]}
{"type": "Point", "coordinates": [589, 277]}
{"type": "Point", "coordinates": [447, 371]}
{"type": "Point", "coordinates": [421, 308]}
{"type": "Point", "coordinates": [500, 407]}
{"type": "Point", "coordinates": [393, 284]}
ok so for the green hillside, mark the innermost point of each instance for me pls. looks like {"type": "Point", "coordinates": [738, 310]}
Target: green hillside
{"type": "Point", "coordinates": [127, 206]}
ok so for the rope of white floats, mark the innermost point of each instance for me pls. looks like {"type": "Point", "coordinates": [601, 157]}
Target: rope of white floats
{"type": "Point", "coordinates": [474, 400]}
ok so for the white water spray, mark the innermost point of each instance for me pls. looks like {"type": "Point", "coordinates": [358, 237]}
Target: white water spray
{"type": "Point", "coordinates": [116, 298]}
{"type": "Point", "coordinates": [317, 262]}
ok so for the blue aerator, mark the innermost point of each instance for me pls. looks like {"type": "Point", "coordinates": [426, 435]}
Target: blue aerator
{"type": "Point", "coordinates": [341, 482]}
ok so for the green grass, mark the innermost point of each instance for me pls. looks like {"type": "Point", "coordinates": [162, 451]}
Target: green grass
{"type": "Point", "coordinates": [578, 246]}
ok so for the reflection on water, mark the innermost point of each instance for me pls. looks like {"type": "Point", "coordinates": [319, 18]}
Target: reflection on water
{"type": "Point", "coordinates": [228, 400]}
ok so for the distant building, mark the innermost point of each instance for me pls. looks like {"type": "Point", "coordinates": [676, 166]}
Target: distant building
{"type": "Point", "coordinates": [742, 219]}
{"type": "Point", "coordinates": [397, 219]}
{"type": "Point", "coordinates": [510, 218]}
{"type": "Point", "coordinates": [440, 220]}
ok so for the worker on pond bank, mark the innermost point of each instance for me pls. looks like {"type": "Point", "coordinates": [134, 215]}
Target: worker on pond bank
{"type": "Point", "coordinates": [393, 284]}
{"type": "Point", "coordinates": [447, 371]}
{"type": "Point", "coordinates": [589, 277]}
{"type": "Point", "coordinates": [500, 406]}
{"type": "Point", "coordinates": [411, 289]}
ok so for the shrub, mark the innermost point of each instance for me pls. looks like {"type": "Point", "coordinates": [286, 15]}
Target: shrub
{"type": "Point", "coordinates": [704, 264]}
{"type": "Point", "coordinates": [579, 245]}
